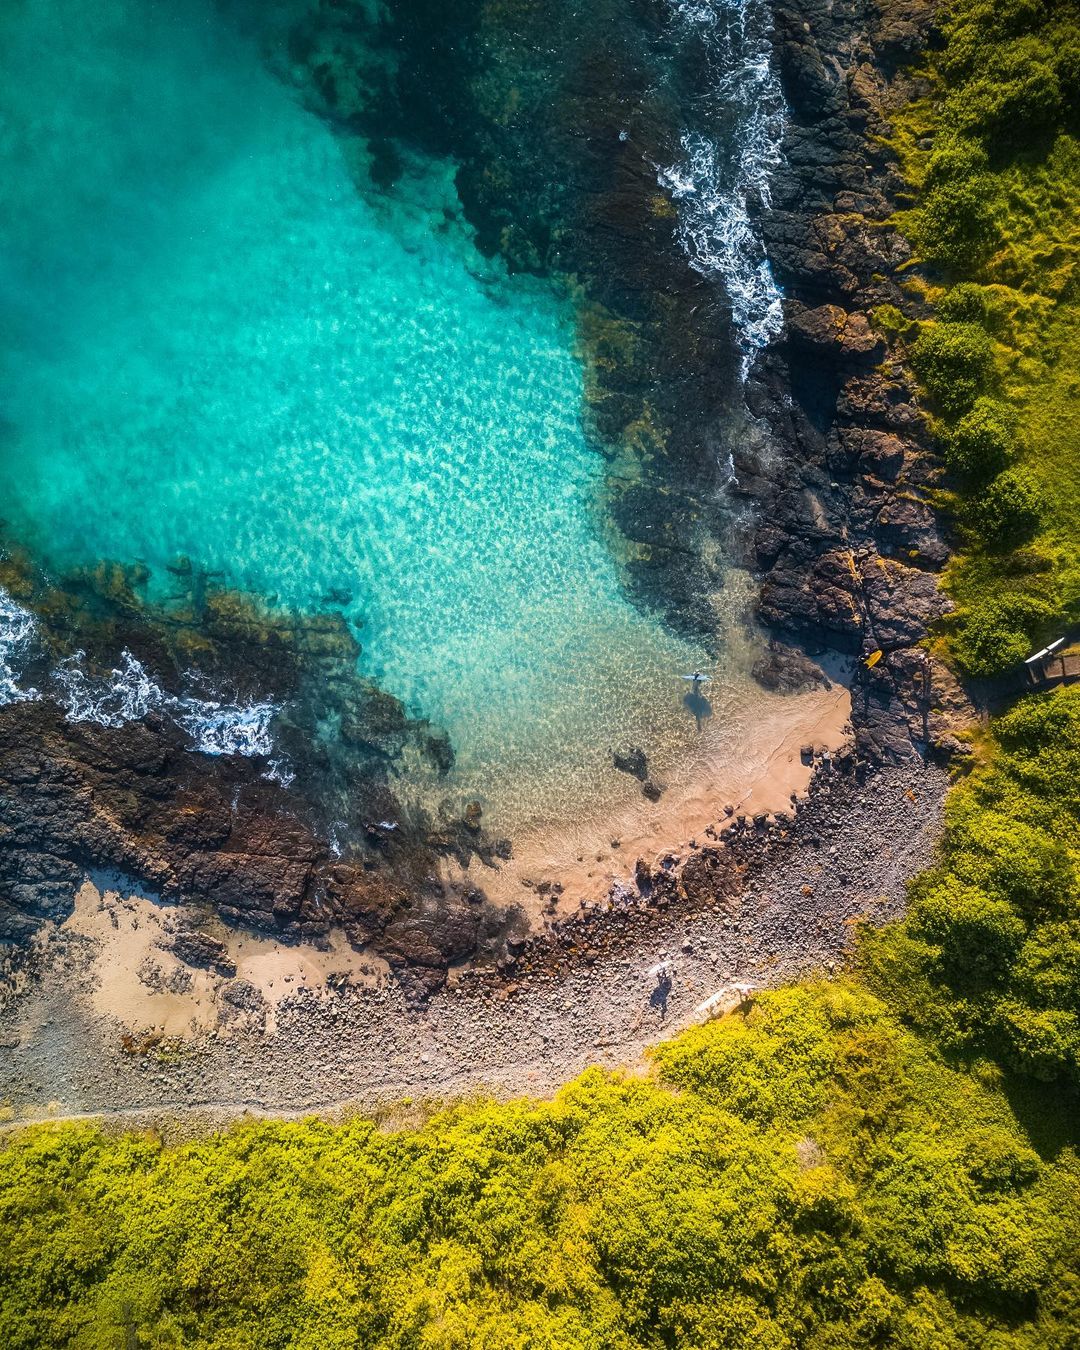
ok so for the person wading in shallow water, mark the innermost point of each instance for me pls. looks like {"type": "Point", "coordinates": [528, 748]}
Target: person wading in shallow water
{"type": "Point", "coordinates": [695, 701]}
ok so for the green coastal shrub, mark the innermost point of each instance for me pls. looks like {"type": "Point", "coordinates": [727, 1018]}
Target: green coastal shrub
{"type": "Point", "coordinates": [954, 362]}
{"type": "Point", "coordinates": [992, 148]}
{"type": "Point", "coordinates": [988, 960]}
{"type": "Point", "coordinates": [809, 1174]}
{"type": "Point", "coordinates": [1017, 98]}
{"type": "Point", "coordinates": [954, 226]}
{"type": "Point", "coordinates": [1067, 70]}
{"type": "Point", "coordinates": [977, 935]}
{"type": "Point", "coordinates": [963, 303]}
{"type": "Point", "coordinates": [1008, 510]}
{"type": "Point", "coordinates": [892, 322]}
{"type": "Point", "coordinates": [1039, 749]}
{"type": "Point", "coordinates": [973, 27]}
{"type": "Point", "coordinates": [998, 632]}
{"type": "Point", "coordinates": [954, 158]}
{"type": "Point", "coordinates": [1014, 861]}
{"type": "Point", "coordinates": [982, 442]}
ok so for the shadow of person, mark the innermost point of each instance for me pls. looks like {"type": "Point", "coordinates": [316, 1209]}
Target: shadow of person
{"type": "Point", "coordinates": [699, 707]}
{"type": "Point", "coordinates": [659, 996]}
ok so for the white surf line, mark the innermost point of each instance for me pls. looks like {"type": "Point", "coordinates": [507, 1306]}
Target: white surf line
{"type": "Point", "coordinates": [721, 180]}
{"type": "Point", "coordinates": [129, 693]}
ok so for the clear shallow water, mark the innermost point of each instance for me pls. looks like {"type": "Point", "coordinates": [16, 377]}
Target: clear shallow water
{"type": "Point", "coordinates": [215, 345]}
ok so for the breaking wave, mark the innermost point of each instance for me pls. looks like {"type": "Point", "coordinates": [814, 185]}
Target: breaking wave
{"type": "Point", "coordinates": [126, 696]}
{"type": "Point", "coordinates": [16, 629]}
{"type": "Point", "coordinates": [128, 693]}
{"type": "Point", "coordinates": [228, 728]}
{"type": "Point", "coordinates": [723, 178]}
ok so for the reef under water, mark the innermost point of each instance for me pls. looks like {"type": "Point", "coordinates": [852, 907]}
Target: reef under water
{"type": "Point", "coordinates": [427, 328]}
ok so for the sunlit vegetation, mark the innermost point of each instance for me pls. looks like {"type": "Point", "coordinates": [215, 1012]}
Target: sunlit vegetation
{"type": "Point", "coordinates": [988, 962]}
{"type": "Point", "coordinates": [810, 1174]}
{"type": "Point", "coordinates": [993, 158]}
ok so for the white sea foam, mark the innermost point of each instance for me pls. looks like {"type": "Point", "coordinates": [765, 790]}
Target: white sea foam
{"type": "Point", "coordinates": [279, 771]}
{"type": "Point", "coordinates": [129, 693]}
{"type": "Point", "coordinates": [126, 695]}
{"type": "Point", "coordinates": [728, 159]}
{"type": "Point", "coordinates": [226, 728]}
{"type": "Point", "coordinates": [16, 629]}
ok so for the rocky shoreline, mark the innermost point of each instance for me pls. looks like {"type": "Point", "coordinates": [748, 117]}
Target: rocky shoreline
{"type": "Point", "coordinates": [220, 832]}
{"type": "Point", "coordinates": [783, 902]}
{"type": "Point", "coordinates": [846, 543]}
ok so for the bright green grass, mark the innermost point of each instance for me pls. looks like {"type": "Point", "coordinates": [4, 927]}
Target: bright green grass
{"type": "Point", "coordinates": [1028, 269]}
{"type": "Point", "coordinates": [807, 1176]}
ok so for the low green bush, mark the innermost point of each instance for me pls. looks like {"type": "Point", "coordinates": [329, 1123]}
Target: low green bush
{"type": "Point", "coordinates": [991, 149]}
{"type": "Point", "coordinates": [997, 632]}
{"type": "Point", "coordinates": [1016, 98]}
{"type": "Point", "coordinates": [955, 362]}
{"type": "Point", "coordinates": [988, 960]}
{"type": "Point", "coordinates": [955, 227]}
{"type": "Point", "coordinates": [977, 935]}
{"type": "Point", "coordinates": [893, 322]}
{"type": "Point", "coordinates": [955, 158]}
{"type": "Point", "coordinates": [981, 443]}
{"type": "Point", "coordinates": [973, 28]}
{"type": "Point", "coordinates": [962, 303]}
{"type": "Point", "coordinates": [1008, 510]}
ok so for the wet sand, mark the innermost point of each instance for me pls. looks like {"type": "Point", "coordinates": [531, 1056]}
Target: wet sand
{"type": "Point", "coordinates": [750, 769]}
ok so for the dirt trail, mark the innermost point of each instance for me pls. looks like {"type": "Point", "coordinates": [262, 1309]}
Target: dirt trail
{"type": "Point", "coordinates": [329, 1048]}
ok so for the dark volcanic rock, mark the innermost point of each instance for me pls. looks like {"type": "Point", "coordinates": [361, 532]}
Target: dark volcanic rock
{"type": "Point", "coordinates": [787, 670]}
{"type": "Point", "coordinates": [848, 543]}
{"type": "Point", "coordinates": [202, 951]}
{"type": "Point", "coordinates": [833, 333]}
{"type": "Point", "coordinates": [77, 798]}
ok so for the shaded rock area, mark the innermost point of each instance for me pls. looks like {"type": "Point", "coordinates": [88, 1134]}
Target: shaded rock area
{"type": "Point", "coordinates": [217, 830]}
{"type": "Point", "coordinates": [202, 951]}
{"type": "Point", "coordinates": [846, 542]}
{"type": "Point", "coordinates": [632, 760]}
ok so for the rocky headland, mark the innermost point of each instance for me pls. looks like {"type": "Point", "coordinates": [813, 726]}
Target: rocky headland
{"type": "Point", "coordinates": [845, 537]}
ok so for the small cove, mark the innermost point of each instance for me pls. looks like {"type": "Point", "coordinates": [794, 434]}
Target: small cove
{"type": "Point", "coordinates": [223, 342]}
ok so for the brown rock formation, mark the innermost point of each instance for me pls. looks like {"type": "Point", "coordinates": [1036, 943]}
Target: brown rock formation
{"type": "Point", "coordinates": [848, 546]}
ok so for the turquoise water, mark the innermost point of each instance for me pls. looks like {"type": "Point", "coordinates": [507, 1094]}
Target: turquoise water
{"type": "Point", "coordinates": [216, 345]}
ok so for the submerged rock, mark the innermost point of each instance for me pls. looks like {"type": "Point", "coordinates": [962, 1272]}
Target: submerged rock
{"type": "Point", "coordinates": [633, 761]}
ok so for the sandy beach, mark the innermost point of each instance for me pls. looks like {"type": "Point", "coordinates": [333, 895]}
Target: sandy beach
{"type": "Point", "coordinates": [756, 767]}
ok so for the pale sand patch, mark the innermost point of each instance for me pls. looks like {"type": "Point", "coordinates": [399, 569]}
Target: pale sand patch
{"type": "Point", "coordinates": [755, 767]}
{"type": "Point", "coordinates": [137, 982]}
